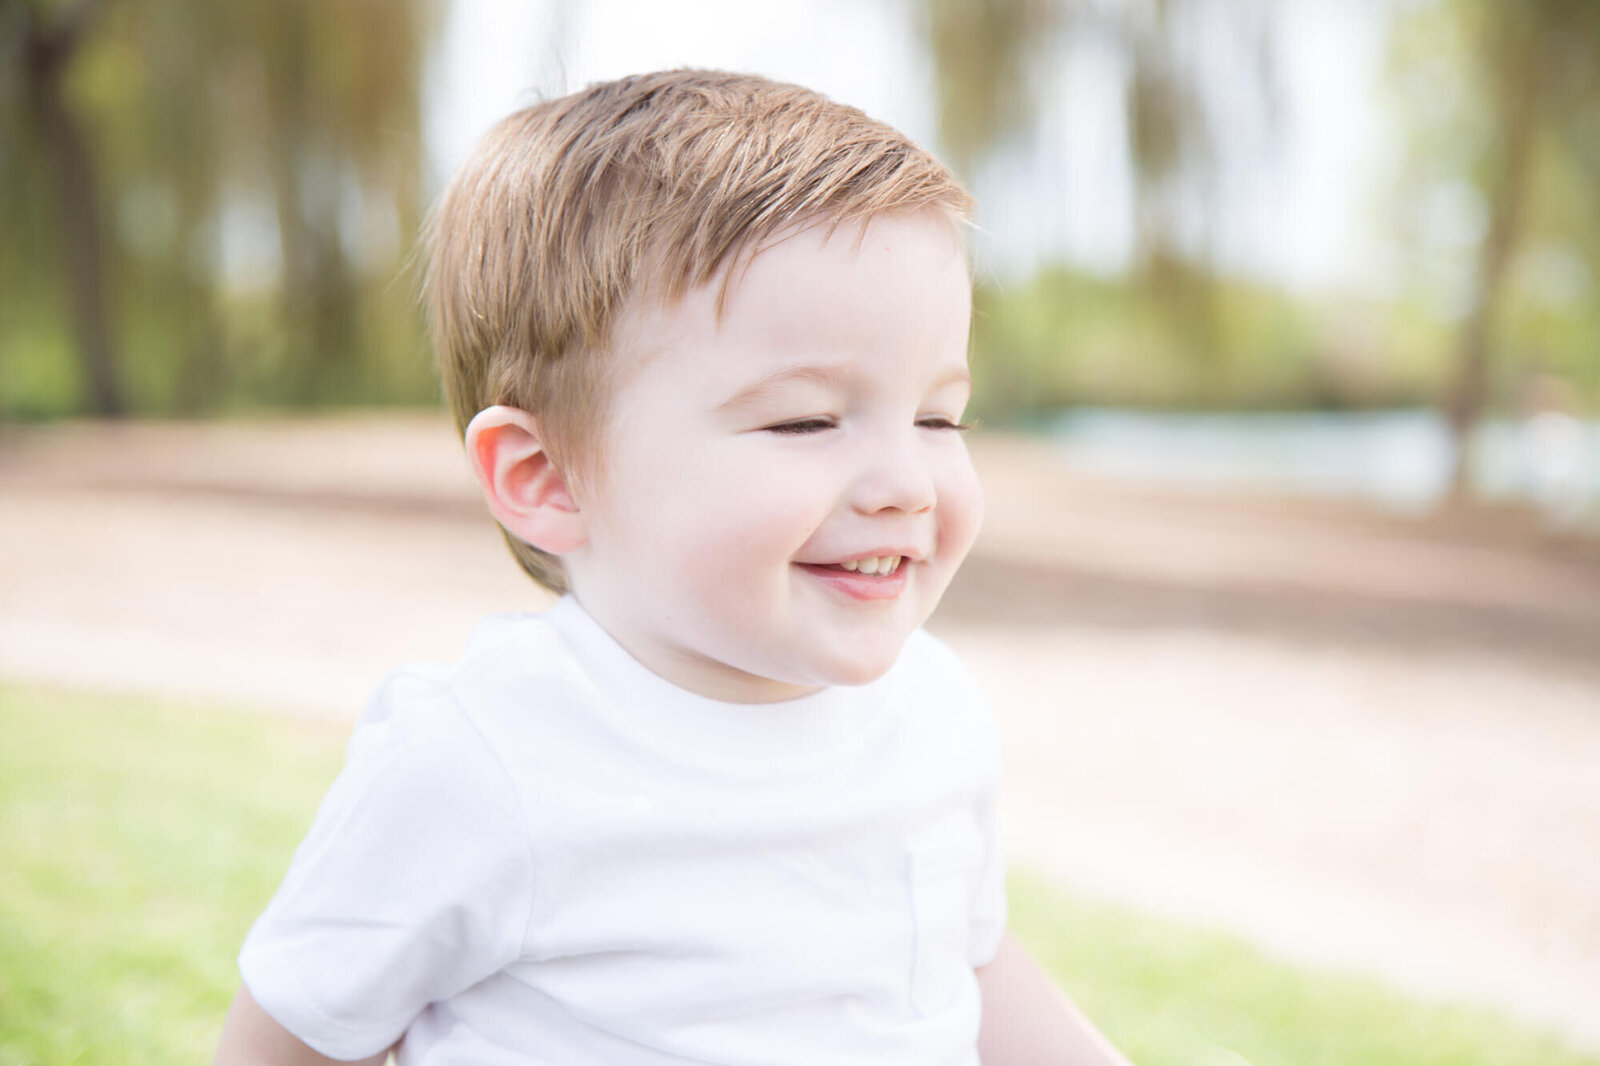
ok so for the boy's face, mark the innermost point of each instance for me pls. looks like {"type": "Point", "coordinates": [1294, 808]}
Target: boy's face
{"type": "Point", "coordinates": [755, 470]}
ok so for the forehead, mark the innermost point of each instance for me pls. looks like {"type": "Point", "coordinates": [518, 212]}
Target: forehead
{"type": "Point", "coordinates": [852, 275]}
{"type": "Point", "coordinates": [813, 293]}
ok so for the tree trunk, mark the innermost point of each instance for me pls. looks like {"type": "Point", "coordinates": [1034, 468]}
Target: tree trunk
{"type": "Point", "coordinates": [47, 52]}
{"type": "Point", "coordinates": [1468, 393]}
{"type": "Point", "coordinates": [318, 293]}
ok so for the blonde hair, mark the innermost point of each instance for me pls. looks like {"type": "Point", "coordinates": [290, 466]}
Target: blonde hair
{"type": "Point", "coordinates": [568, 209]}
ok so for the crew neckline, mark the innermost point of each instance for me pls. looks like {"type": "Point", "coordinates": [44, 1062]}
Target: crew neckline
{"type": "Point", "coordinates": [733, 737]}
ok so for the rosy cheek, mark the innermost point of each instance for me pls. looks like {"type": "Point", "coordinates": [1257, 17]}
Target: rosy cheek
{"type": "Point", "coordinates": [960, 508]}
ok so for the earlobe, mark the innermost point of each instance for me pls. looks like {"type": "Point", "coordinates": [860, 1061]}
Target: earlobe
{"type": "Point", "coordinates": [525, 491]}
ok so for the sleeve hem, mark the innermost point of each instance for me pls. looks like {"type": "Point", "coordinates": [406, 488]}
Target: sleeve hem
{"type": "Point", "coordinates": [281, 997]}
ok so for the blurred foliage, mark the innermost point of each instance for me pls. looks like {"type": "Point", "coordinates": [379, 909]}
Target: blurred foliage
{"type": "Point", "coordinates": [993, 60]}
{"type": "Point", "coordinates": [211, 206]}
{"type": "Point", "coordinates": [1496, 205]}
{"type": "Point", "coordinates": [231, 188]}
{"type": "Point", "coordinates": [1067, 338]}
{"type": "Point", "coordinates": [983, 52]}
{"type": "Point", "coordinates": [1174, 332]}
{"type": "Point", "coordinates": [1500, 114]}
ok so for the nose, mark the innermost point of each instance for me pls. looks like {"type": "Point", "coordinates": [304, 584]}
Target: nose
{"type": "Point", "coordinates": [896, 474]}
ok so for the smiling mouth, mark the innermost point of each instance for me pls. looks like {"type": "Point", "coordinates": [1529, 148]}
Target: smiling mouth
{"type": "Point", "coordinates": [879, 565]}
{"type": "Point", "coordinates": [877, 578]}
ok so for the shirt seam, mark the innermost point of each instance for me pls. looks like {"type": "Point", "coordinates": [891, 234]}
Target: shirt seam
{"type": "Point", "coordinates": [510, 782]}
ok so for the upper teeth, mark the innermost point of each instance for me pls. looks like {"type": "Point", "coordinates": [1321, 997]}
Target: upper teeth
{"type": "Point", "coordinates": [878, 564]}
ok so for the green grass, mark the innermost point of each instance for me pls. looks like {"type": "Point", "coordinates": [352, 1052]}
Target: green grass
{"type": "Point", "coordinates": [1173, 995]}
{"type": "Point", "coordinates": [138, 840]}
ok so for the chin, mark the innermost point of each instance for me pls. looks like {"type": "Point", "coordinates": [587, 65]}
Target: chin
{"type": "Point", "coordinates": [850, 677]}
{"type": "Point", "coordinates": [858, 667]}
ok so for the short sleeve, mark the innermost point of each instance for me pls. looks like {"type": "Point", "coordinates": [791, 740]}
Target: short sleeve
{"type": "Point", "coordinates": [413, 883]}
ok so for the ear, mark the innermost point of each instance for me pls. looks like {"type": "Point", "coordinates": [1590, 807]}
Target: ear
{"type": "Point", "coordinates": [524, 490]}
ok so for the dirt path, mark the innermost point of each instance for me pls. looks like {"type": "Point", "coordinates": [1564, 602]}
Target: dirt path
{"type": "Point", "coordinates": [1361, 741]}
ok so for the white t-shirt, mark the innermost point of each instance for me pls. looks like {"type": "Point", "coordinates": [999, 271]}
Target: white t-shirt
{"type": "Point", "coordinates": [548, 854]}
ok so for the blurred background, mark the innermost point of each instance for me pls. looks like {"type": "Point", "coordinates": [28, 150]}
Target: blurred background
{"type": "Point", "coordinates": [1288, 358]}
{"type": "Point", "coordinates": [1368, 226]}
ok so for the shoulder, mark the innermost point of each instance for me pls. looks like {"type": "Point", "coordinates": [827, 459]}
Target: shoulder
{"type": "Point", "coordinates": [928, 665]}
{"type": "Point", "coordinates": [427, 737]}
{"type": "Point", "coordinates": [510, 708]}
{"type": "Point", "coordinates": [418, 765]}
{"type": "Point", "coordinates": [504, 659]}
{"type": "Point", "coordinates": [944, 701]}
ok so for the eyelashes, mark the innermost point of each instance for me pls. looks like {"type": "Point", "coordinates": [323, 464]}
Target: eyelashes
{"type": "Point", "coordinates": [804, 426]}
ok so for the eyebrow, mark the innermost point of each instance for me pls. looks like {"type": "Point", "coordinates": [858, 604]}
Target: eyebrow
{"type": "Point", "coordinates": [827, 376]}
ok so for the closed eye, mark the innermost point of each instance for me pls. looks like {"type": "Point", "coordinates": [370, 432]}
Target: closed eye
{"type": "Point", "coordinates": [941, 422]}
{"type": "Point", "coordinates": [801, 426]}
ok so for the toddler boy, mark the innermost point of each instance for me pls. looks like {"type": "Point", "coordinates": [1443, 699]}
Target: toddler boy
{"type": "Point", "coordinates": [725, 802]}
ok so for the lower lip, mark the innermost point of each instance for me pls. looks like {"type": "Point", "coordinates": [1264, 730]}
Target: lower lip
{"type": "Point", "coordinates": [860, 586]}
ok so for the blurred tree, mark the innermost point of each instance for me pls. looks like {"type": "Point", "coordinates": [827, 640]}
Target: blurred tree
{"type": "Point", "coordinates": [991, 59]}
{"type": "Point", "coordinates": [1172, 49]}
{"type": "Point", "coordinates": [984, 54]}
{"type": "Point", "coordinates": [340, 82]}
{"type": "Point", "coordinates": [1510, 101]}
{"type": "Point", "coordinates": [48, 38]}
{"type": "Point", "coordinates": [253, 175]}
